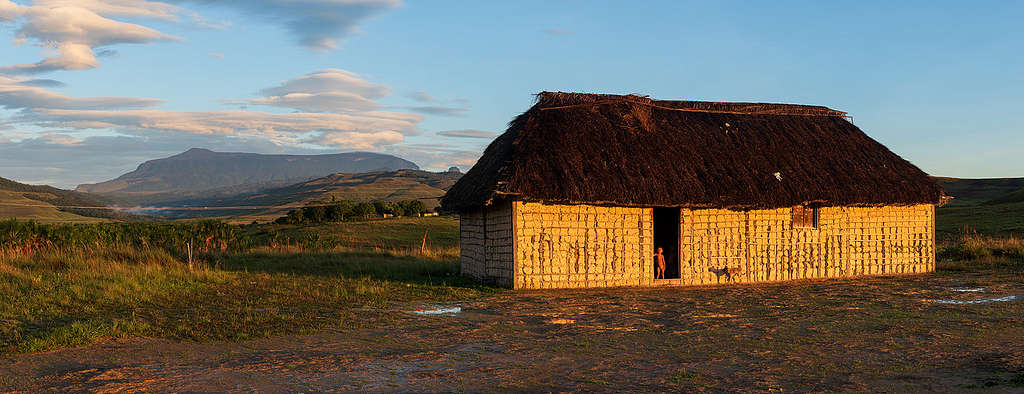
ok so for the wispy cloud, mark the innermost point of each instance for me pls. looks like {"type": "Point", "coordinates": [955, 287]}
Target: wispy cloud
{"type": "Point", "coordinates": [217, 55]}
{"type": "Point", "coordinates": [422, 96]}
{"type": "Point", "coordinates": [557, 32]}
{"type": "Point", "coordinates": [337, 111]}
{"type": "Point", "coordinates": [285, 129]}
{"type": "Point", "coordinates": [468, 133]}
{"type": "Point", "coordinates": [440, 110]}
{"type": "Point", "coordinates": [435, 156]}
{"type": "Point", "coordinates": [20, 94]}
{"type": "Point", "coordinates": [315, 24]}
{"type": "Point", "coordinates": [43, 83]}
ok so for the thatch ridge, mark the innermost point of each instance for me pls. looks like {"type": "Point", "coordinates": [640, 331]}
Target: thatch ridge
{"type": "Point", "coordinates": [630, 150]}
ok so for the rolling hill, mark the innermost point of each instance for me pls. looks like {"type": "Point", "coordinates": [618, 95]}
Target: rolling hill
{"type": "Point", "coordinates": [993, 206]}
{"type": "Point", "coordinates": [976, 191]}
{"type": "Point", "coordinates": [202, 173]}
{"type": "Point", "coordinates": [1009, 198]}
{"type": "Point", "coordinates": [47, 204]}
{"type": "Point", "coordinates": [388, 185]}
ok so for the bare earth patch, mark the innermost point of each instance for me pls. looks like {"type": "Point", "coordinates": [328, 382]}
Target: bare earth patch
{"type": "Point", "coordinates": [886, 334]}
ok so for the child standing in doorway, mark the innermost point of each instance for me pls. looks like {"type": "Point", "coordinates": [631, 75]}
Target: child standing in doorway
{"type": "Point", "coordinates": [660, 259]}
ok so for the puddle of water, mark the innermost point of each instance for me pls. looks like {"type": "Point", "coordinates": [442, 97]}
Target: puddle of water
{"type": "Point", "coordinates": [438, 311]}
{"type": "Point", "coordinates": [968, 289]}
{"type": "Point", "coordinates": [978, 301]}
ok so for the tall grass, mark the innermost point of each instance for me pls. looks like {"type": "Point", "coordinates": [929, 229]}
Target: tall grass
{"type": "Point", "coordinates": [73, 285]}
{"type": "Point", "coordinates": [211, 237]}
{"type": "Point", "coordinates": [970, 250]}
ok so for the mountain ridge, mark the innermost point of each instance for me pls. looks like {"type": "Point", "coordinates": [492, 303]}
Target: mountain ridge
{"type": "Point", "coordinates": [981, 191]}
{"type": "Point", "coordinates": [48, 203]}
{"type": "Point", "coordinates": [199, 172]}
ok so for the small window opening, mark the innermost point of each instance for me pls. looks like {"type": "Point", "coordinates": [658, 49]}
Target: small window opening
{"type": "Point", "coordinates": [805, 217]}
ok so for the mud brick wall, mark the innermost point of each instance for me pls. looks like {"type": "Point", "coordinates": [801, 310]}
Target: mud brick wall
{"type": "Point", "coordinates": [498, 244]}
{"type": "Point", "coordinates": [538, 246]}
{"type": "Point", "coordinates": [569, 246]}
{"type": "Point", "coordinates": [471, 244]}
{"type": "Point", "coordinates": [485, 242]}
{"type": "Point", "coordinates": [765, 246]}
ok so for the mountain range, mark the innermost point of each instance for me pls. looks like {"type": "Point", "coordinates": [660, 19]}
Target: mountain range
{"type": "Point", "coordinates": [202, 173]}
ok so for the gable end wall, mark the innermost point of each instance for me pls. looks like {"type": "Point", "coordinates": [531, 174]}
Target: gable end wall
{"type": "Point", "coordinates": [485, 242]}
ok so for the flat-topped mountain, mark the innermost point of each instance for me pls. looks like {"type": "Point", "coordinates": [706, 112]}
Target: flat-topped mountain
{"type": "Point", "coordinates": [192, 173]}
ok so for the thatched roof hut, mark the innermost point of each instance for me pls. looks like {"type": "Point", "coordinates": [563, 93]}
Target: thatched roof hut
{"type": "Point", "coordinates": [634, 151]}
{"type": "Point", "coordinates": [583, 188]}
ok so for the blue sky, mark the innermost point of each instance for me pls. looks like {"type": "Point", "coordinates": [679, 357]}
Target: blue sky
{"type": "Point", "coordinates": [91, 88]}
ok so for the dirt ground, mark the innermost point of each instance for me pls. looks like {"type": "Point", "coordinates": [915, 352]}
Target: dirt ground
{"type": "Point", "coordinates": [881, 334]}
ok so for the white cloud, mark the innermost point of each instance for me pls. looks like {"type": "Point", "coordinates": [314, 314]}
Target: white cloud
{"type": "Point", "coordinates": [362, 141]}
{"type": "Point", "coordinates": [132, 8]}
{"type": "Point", "coordinates": [217, 55]}
{"type": "Point", "coordinates": [329, 80]}
{"type": "Point", "coordinates": [330, 90]}
{"type": "Point", "coordinates": [469, 133]}
{"type": "Point", "coordinates": [9, 10]}
{"type": "Point", "coordinates": [70, 30]}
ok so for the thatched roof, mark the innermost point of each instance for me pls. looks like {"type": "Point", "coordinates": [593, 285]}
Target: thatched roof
{"type": "Point", "coordinates": [574, 148]}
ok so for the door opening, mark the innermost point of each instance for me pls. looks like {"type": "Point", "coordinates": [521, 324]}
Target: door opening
{"type": "Point", "coordinates": [666, 237]}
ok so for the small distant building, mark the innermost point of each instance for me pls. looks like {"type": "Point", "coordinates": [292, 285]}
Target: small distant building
{"type": "Point", "coordinates": [582, 188]}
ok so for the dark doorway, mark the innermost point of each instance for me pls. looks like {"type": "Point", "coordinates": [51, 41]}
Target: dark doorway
{"type": "Point", "coordinates": [666, 236]}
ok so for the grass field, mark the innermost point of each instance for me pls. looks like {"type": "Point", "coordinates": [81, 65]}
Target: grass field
{"type": "Point", "coordinates": [944, 332]}
{"type": "Point", "coordinates": [58, 297]}
{"type": "Point", "coordinates": [16, 205]}
{"type": "Point", "coordinates": [1001, 220]}
{"type": "Point", "coordinates": [128, 294]}
{"type": "Point", "coordinates": [442, 233]}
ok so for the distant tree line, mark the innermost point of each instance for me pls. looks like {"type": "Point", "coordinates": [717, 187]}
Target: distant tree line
{"type": "Point", "coordinates": [347, 211]}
